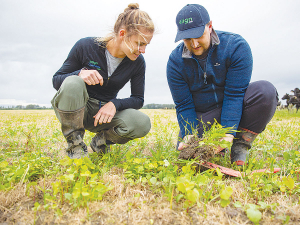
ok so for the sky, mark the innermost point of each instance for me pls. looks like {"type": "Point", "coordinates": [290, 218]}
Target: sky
{"type": "Point", "coordinates": [36, 37]}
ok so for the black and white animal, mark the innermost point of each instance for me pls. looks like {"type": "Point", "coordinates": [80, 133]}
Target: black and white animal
{"type": "Point", "coordinates": [292, 99]}
{"type": "Point", "coordinates": [296, 92]}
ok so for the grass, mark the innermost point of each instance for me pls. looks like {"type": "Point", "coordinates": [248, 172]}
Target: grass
{"type": "Point", "coordinates": [142, 182]}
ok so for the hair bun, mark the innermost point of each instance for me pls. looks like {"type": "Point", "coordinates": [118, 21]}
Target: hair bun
{"type": "Point", "coordinates": [132, 6]}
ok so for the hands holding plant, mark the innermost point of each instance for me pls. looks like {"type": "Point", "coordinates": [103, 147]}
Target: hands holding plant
{"type": "Point", "coordinates": [184, 144]}
{"type": "Point", "coordinates": [223, 141]}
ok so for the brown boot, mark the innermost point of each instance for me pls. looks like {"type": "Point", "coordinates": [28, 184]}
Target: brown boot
{"type": "Point", "coordinates": [102, 140]}
{"type": "Point", "coordinates": [241, 144]}
{"type": "Point", "coordinates": [98, 143]}
{"type": "Point", "coordinates": [73, 130]}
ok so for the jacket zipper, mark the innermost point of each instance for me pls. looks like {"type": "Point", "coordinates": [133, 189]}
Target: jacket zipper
{"type": "Point", "coordinates": [205, 74]}
{"type": "Point", "coordinates": [107, 81]}
{"type": "Point", "coordinates": [112, 73]}
{"type": "Point", "coordinates": [216, 97]}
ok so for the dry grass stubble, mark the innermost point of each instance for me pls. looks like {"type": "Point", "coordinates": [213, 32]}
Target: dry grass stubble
{"type": "Point", "coordinates": [120, 206]}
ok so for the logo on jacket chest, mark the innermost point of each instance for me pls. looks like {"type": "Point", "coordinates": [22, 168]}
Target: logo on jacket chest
{"type": "Point", "coordinates": [94, 65]}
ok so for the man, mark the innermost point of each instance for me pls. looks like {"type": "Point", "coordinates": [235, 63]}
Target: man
{"type": "Point", "coordinates": [209, 77]}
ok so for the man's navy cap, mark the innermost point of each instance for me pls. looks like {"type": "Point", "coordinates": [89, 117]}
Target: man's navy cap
{"type": "Point", "coordinates": [191, 21]}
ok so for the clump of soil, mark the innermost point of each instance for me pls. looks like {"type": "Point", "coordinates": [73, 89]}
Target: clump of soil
{"type": "Point", "coordinates": [194, 150]}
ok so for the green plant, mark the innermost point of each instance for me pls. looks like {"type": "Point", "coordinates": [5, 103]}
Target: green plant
{"type": "Point", "coordinates": [213, 135]}
{"type": "Point", "coordinates": [81, 183]}
{"type": "Point", "coordinates": [29, 167]}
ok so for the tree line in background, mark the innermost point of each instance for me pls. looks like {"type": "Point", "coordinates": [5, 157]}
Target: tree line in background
{"type": "Point", "coordinates": [290, 100]}
{"type": "Point", "coordinates": [31, 106]}
{"type": "Point", "coordinates": [159, 106]}
{"type": "Point", "coordinates": [18, 107]}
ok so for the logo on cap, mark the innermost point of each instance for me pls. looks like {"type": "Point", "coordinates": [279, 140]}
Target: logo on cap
{"type": "Point", "coordinates": [191, 21]}
{"type": "Point", "coordinates": [186, 21]}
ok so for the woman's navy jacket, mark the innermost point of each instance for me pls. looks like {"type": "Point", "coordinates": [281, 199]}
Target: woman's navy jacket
{"type": "Point", "coordinates": [90, 54]}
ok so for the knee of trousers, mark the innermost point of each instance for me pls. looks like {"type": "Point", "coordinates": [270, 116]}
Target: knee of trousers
{"type": "Point", "coordinates": [265, 93]}
{"type": "Point", "coordinates": [135, 125]}
{"type": "Point", "coordinates": [73, 87]}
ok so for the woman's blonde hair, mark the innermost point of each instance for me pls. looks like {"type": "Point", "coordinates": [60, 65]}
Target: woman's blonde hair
{"type": "Point", "coordinates": [132, 19]}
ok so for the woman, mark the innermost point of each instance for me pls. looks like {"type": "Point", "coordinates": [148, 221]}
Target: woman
{"type": "Point", "coordinates": [90, 78]}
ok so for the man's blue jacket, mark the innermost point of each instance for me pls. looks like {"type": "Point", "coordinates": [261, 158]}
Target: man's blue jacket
{"type": "Point", "coordinates": [223, 84]}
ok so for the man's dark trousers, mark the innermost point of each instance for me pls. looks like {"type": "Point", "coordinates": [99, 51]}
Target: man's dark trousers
{"type": "Point", "coordinates": [260, 102]}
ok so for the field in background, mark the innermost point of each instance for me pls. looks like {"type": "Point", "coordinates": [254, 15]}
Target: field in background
{"type": "Point", "coordinates": [141, 182]}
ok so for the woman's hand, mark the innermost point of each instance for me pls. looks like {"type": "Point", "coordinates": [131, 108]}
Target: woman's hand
{"type": "Point", "coordinates": [105, 114]}
{"type": "Point", "coordinates": [91, 77]}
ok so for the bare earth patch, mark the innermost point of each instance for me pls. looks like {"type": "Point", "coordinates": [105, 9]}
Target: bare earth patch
{"type": "Point", "coordinates": [194, 150]}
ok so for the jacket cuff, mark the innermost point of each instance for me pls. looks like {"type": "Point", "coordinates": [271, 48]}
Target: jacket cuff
{"type": "Point", "coordinates": [116, 103]}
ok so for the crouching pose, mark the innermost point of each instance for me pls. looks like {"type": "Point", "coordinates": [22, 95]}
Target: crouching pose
{"type": "Point", "coordinates": [209, 78]}
{"type": "Point", "coordinates": [90, 78]}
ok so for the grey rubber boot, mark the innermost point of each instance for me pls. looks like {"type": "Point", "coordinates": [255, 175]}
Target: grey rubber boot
{"type": "Point", "coordinates": [102, 140]}
{"type": "Point", "coordinates": [241, 144]}
{"type": "Point", "coordinates": [73, 130]}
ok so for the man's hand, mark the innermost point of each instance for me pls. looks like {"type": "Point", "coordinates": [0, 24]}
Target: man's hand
{"type": "Point", "coordinates": [228, 137]}
{"type": "Point", "coordinates": [91, 77]}
{"type": "Point", "coordinates": [183, 144]}
{"type": "Point", "coordinates": [105, 114]}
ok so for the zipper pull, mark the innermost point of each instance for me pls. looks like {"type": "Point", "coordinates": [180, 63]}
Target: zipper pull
{"type": "Point", "coordinates": [205, 81]}
{"type": "Point", "coordinates": [107, 81]}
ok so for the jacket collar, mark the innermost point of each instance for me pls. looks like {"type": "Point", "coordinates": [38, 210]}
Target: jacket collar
{"type": "Point", "coordinates": [214, 41]}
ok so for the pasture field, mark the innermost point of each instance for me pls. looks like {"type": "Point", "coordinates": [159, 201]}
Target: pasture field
{"type": "Point", "coordinates": [142, 182]}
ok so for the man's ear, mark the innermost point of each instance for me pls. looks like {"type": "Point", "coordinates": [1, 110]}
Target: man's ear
{"type": "Point", "coordinates": [210, 26]}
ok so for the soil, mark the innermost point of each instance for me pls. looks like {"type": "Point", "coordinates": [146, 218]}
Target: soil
{"type": "Point", "coordinates": [193, 150]}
